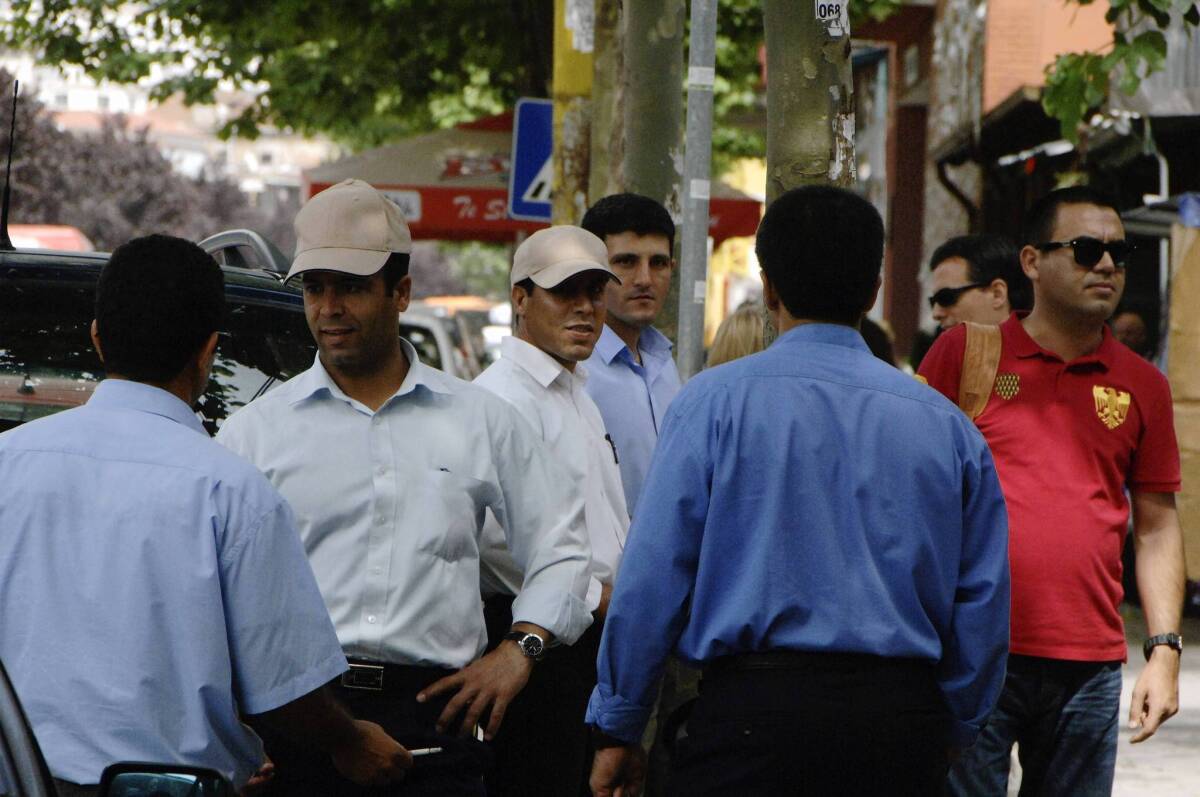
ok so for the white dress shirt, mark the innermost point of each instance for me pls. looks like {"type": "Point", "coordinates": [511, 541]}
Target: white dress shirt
{"type": "Point", "coordinates": [555, 403]}
{"type": "Point", "coordinates": [390, 505]}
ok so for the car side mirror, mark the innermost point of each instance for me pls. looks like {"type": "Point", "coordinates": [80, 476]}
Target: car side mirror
{"type": "Point", "coordinates": [135, 779]}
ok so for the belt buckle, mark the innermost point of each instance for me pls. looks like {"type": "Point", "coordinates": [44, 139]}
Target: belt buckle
{"type": "Point", "coordinates": [364, 676]}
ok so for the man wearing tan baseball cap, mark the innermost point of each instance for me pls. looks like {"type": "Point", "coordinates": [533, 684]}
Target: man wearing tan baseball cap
{"type": "Point", "coordinates": [389, 466]}
{"type": "Point", "coordinates": [559, 278]}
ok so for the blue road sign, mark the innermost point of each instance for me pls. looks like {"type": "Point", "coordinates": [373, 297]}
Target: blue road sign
{"type": "Point", "coordinates": [532, 169]}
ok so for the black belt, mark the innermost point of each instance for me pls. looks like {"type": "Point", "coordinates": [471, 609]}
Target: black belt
{"type": "Point", "coordinates": [377, 676]}
{"type": "Point", "coordinates": [812, 660]}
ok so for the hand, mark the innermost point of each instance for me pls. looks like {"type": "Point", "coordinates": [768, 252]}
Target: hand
{"type": "Point", "coordinates": [605, 598]}
{"type": "Point", "coordinates": [1155, 694]}
{"type": "Point", "coordinates": [373, 758]}
{"type": "Point", "coordinates": [618, 772]}
{"type": "Point", "coordinates": [259, 780]}
{"type": "Point", "coordinates": [487, 683]}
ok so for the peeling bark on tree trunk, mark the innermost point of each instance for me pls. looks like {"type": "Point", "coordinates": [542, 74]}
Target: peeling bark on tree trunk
{"type": "Point", "coordinates": [810, 103]}
{"type": "Point", "coordinates": [608, 109]}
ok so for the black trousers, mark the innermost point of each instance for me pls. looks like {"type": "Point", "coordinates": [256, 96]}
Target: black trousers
{"type": "Point", "coordinates": [819, 724]}
{"type": "Point", "coordinates": [457, 771]}
{"type": "Point", "coordinates": [543, 746]}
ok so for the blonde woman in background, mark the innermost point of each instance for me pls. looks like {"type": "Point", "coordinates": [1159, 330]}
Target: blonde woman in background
{"type": "Point", "coordinates": [741, 333]}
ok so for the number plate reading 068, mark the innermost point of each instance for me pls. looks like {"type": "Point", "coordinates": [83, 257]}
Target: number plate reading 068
{"type": "Point", "coordinates": [834, 16]}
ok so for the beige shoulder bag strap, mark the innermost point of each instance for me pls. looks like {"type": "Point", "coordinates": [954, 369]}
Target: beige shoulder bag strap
{"type": "Point", "coordinates": [981, 359]}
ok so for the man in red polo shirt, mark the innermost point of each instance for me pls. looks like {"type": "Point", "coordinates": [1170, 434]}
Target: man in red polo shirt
{"type": "Point", "coordinates": [1073, 420]}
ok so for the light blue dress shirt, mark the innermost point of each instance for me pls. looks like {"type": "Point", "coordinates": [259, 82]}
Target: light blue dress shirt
{"type": "Point", "coordinates": [151, 585]}
{"type": "Point", "coordinates": [811, 497]}
{"type": "Point", "coordinates": [633, 399]}
{"type": "Point", "coordinates": [390, 506]}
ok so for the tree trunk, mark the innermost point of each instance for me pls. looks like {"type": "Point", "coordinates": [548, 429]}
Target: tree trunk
{"type": "Point", "coordinates": [652, 85]}
{"type": "Point", "coordinates": [810, 103]}
{"type": "Point", "coordinates": [810, 99]}
{"type": "Point", "coordinates": [608, 108]}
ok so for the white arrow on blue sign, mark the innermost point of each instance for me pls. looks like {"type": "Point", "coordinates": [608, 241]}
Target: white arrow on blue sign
{"type": "Point", "coordinates": [532, 169]}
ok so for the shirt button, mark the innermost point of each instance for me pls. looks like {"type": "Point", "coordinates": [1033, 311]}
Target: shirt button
{"type": "Point", "coordinates": [381, 470]}
{"type": "Point", "coordinates": [376, 571]}
{"type": "Point", "coordinates": [371, 618]}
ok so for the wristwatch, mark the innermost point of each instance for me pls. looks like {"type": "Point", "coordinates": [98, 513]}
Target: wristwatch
{"type": "Point", "coordinates": [1173, 641]}
{"type": "Point", "coordinates": [532, 645]}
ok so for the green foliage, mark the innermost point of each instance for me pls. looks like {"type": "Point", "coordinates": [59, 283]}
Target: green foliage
{"type": "Point", "coordinates": [1077, 83]}
{"type": "Point", "coordinates": [362, 71]}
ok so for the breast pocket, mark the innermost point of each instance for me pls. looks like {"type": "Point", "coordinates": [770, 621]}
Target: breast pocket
{"type": "Point", "coordinates": [448, 510]}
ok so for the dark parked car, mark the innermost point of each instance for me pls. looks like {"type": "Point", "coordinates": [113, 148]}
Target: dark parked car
{"type": "Point", "coordinates": [47, 362]}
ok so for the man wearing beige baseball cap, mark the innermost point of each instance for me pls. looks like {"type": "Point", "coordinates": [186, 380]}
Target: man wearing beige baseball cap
{"type": "Point", "coordinates": [389, 466]}
{"type": "Point", "coordinates": [558, 279]}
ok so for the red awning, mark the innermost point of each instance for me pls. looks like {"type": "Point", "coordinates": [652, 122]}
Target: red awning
{"type": "Point", "coordinates": [453, 185]}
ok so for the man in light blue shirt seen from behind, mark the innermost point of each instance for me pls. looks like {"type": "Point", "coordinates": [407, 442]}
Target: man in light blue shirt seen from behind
{"type": "Point", "coordinates": [825, 536]}
{"type": "Point", "coordinates": [152, 584]}
{"type": "Point", "coordinates": [631, 374]}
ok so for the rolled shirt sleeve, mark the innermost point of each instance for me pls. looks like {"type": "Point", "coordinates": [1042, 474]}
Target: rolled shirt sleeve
{"type": "Point", "coordinates": [542, 514]}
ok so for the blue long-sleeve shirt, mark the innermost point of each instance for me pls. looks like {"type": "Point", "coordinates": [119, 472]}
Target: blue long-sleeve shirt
{"type": "Point", "coordinates": [813, 498]}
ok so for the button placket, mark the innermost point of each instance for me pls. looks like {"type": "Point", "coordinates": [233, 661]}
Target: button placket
{"type": "Point", "coordinates": [379, 537]}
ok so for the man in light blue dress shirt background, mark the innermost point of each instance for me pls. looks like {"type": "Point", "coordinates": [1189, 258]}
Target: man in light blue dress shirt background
{"type": "Point", "coordinates": [825, 536]}
{"type": "Point", "coordinates": [152, 584]}
{"type": "Point", "coordinates": [631, 374]}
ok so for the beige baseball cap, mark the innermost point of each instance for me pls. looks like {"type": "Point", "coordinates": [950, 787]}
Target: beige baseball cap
{"type": "Point", "coordinates": [555, 254]}
{"type": "Point", "coordinates": [349, 227]}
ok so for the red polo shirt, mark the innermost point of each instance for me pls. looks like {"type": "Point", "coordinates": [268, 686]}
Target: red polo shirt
{"type": "Point", "coordinates": [1067, 438]}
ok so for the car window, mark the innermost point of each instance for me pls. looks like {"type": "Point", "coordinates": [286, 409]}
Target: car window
{"type": "Point", "coordinates": [263, 346]}
{"type": "Point", "coordinates": [47, 362]}
{"type": "Point", "coordinates": [424, 342]}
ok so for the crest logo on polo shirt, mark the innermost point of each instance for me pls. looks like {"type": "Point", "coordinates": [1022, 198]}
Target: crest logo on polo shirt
{"type": "Point", "coordinates": [1112, 405]}
{"type": "Point", "coordinates": [1007, 385]}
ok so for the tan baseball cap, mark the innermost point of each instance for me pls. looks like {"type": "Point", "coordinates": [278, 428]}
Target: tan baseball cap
{"type": "Point", "coordinates": [555, 254]}
{"type": "Point", "coordinates": [349, 227]}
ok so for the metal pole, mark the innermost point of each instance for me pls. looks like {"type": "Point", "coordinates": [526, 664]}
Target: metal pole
{"type": "Point", "coordinates": [697, 168]}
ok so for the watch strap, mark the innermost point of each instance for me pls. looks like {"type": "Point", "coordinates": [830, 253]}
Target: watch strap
{"type": "Point", "coordinates": [1171, 640]}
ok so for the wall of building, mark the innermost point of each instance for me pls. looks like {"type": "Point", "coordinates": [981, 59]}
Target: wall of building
{"type": "Point", "coordinates": [1025, 36]}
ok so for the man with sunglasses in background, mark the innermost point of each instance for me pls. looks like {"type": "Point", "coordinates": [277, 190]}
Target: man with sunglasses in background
{"type": "Point", "coordinates": [977, 278]}
{"type": "Point", "coordinates": [1073, 420]}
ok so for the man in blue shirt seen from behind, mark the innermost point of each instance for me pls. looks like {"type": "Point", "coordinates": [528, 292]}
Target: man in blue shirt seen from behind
{"type": "Point", "coordinates": [825, 536]}
{"type": "Point", "coordinates": [152, 584]}
{"type": "Point", "coordinates": [631, 375]}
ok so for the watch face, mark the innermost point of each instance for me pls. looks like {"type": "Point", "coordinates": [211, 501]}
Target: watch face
{"type": "Point", "coordinates": [532, 646]}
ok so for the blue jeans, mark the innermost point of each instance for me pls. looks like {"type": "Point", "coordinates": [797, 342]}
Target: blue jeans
{"type": "Point", "coordinates": [1063, 717]}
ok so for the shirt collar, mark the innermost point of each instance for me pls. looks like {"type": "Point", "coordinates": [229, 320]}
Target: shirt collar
{"type": "Point", "coordinates": [651, 341]}
{"type": "Point", "coordinates": [833, 334]}
{"type": "Point", "coordinates": [316, 380]}
{"type": "Point", "coordinates": [1024, 346]}
{"type": "Point", "coordinates": [541, 366]}
{"type": "Point", "coordinates": [138, 396]}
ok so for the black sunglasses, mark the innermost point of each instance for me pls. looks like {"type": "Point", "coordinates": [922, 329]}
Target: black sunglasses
{"type": "Point", "coordinates": [948, 297]}
{"type": "Point", "coordinates": [1088, 250]}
